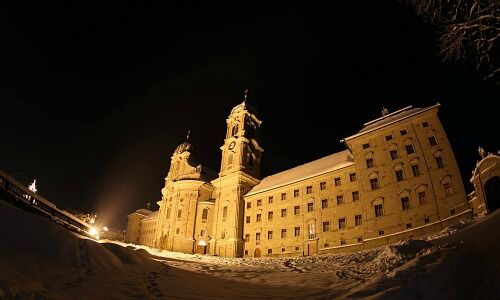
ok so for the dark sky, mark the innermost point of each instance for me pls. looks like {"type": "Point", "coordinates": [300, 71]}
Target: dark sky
{"type": "Point", "coordinates": [96, 97]}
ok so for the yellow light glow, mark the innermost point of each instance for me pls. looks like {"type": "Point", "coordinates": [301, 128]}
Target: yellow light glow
{"type": "Point", "coordinates": [93, 231]}
{"type": "Point", "coordinates": [105, 228]}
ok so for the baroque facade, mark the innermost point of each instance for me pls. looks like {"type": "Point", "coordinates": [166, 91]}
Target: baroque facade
{"type": "Point", "coordinates": [398, 178]}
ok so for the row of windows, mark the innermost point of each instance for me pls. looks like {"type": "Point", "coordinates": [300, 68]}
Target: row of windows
{"type": "Point", "coordinates": [324, 202]}
{"type": "Point", "coordinates": [402, 132]}
{"type": "Point", "coordinates": [310, 207]}
{"type": "Point", "coordinates": [309, 190]}
{"type": "Point", "coordinates": [342, 224]}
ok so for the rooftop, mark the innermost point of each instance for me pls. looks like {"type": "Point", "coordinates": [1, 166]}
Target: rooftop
{"type": "Point", "coordinates": [317, 167]}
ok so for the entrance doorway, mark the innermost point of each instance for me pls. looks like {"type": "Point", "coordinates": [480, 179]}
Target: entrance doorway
{"type": "Point", "coordinates": [312, 249]}
{"type": "Point", "coordinates": [201, 247]}
{"type": "Point", "coordinates": [492, 193]}
{"type": "Point", "coordinates": [257, 253]}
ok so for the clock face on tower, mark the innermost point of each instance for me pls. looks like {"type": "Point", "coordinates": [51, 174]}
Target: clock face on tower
{"type": "Point", "coordinates": [231, 146]}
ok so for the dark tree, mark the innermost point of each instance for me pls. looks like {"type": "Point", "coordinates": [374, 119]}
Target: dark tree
{"type": "Point", "coordinates": [469, 32]}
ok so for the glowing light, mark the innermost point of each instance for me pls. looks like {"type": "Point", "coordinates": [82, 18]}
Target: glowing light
{"type": "Point", "coordinates": [105, 228]}
{"type": "Point", "coordinates": [93, 231]}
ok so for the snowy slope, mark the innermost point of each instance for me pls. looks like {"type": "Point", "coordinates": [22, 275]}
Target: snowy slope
{"type": "Point", "coordinates": [40, 260]}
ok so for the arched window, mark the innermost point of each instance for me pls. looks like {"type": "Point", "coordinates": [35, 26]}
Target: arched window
{"type": "Point", "coordinates": [415, 167]}
{"type": "Point", "coordinates": [447, 185]}
{"type": "Point", "coordinates": [399, 172]}
{"type": "Point", "coordinates": [393, 152]}
{"type": "Point", "coordinates": [179, 213]}
{"type": "Point", "coordinates": [438, 156]}
{"type": "Point", "coordinates": [370, 161]}
{"type": "Point", "coordinates": [168, 213]}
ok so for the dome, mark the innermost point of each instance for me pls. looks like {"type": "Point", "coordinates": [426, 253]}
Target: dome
{"type": "Point", "coordinates": [183, 148]}
{"type": "Point", "coordinates": [244, 106]}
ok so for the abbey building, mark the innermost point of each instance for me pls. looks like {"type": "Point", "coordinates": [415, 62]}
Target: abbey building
{"type": "Point", "coordinates": [398, 178]}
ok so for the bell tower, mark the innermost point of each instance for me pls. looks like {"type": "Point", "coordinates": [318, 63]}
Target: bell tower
{"type": "Point", "coordinates": [241, 150]}
{"type": "Point", "coordinates": [239, 172]}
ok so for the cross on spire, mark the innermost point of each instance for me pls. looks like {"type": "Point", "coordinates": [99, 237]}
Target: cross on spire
{"type": "Point", "coordinates": [187, 136]}
{"type": "Point", "coordinates": [246, 94]}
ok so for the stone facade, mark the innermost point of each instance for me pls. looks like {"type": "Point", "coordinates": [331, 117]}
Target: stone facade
{"type": "Point", "coordinates": [398, 178]}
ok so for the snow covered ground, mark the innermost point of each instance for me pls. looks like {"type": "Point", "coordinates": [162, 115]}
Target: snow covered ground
{"type": "Point", "coordinates": [40, 260]}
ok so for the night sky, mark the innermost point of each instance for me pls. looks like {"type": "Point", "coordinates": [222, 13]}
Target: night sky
{"type": "Point", "coordinates": [96, 97]}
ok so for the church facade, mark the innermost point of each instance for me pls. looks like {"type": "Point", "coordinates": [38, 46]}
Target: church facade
{"type": "Point", "coordinates": [397, 179]}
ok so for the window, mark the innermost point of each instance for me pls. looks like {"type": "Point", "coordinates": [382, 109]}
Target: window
{"type": "Point", "coordinates": [342, 242]}
{"type": "Point", "coordinates": [342, 223]}
{"type": "Point", "coordinates": [177, 231]}
{"type": "Point", "coordinates": [309, 189]}
{"type": "Point", "coordinates": [370, 163]}
{"type": "Point", "coordinates": [297, 248]}
{"type": "Point", "coordinates": [179, 213]}
{"type": "Point", "coordinates": [381, 232]}
{"type": "Point", "coordinates": [283, 212]}
{"type": "Point", "coordinates": [452, 211]}
{"type": "Point", "coordinates": [259, 202]}
{"type": "Point", "coordinates": [403, 132]}
{"type": "Point", "coordinates": [374, 183]}
{"type": "Point", "coordinates": [366, 146]}
{"type": "Point", "coordinates": [295, 193]}
{"type": "Point", "coordinates": [269, 235]}
{"type": "Point", "coordinates": [269, 251]}
{"type": "Point", "coordinates": [224, 212]}
{"type": "Point", "coordinates": [283, 196]}
{"type": "Point", "coordinates": [358, 220]}
{"type": "Point", "coordinates": [258, 218]}
{"type": "Point", "coordinates": [338, 181]}
{"type": "Point", "coordinates": [352, 177]}
{"type": "Point", "coordinates": [425, 124]}
{"type": "Point", "coordinates": [296, 210]}
{"type": "Point", "coordinates": [257, 238]}
{"type": "Point", "coordinates": [394, 154]}
{"type": "Point", "coordinates": [327, 245]}
{"type": "Point", "coordinates": [270, 215]}
{"type": "Point", "coordinates": [340, 199]}
{"type": "Point", "coordinates": [270, 199]}
{"type": "Point", "coordinates": [310, 206]}
{"type": "Point", "coordinates": [283, 233]}
{"type": "Point", "coordinates": [439, 161]}
{"type": "Point", "coordinates": [427, 220]}
{"type": "Point", "coordinates": [297, 231]}
{"type": "Point", "coordinates": [399, 175]}
{"type": "Point", "coordinates": [432, 140]}
{"type": "Point", "coordinates": [282, 249]}
{"type": "Point", "coordinates": [360, 239]}
{"type": "Point", "coordinates": [388, 137]}
{"type": "Point", "coordinates": [247, 238]}
{"type": "Point", "coordinates": [311, 229]}
{"type": "Point", "coordinates": [379, 210]}
{"type": "Point", "coordinates": [248, 219]}
{"type": "Point", "coordinates": [322, 185]}
{"type": "Point", "coordinates": [326, 226]}
{"type": "Point", "coordinates": [249, 205]}
{"type": "Point", "coordinates": [448, 189]}
{"type": "Point", "coordinates": [422, 198]}
{"type": "Point", "coordinates": [355, 196]}
{"type": "Point", "coordinates": [204, 215]}
{"type": "Point", "coordinates": [409, 149]}
{"type": "Point", "coordinates": [324, 203]}
{"type": "Point", "coordinates": [405, 203]}
{"type": "Point", "coordinates": [408, 226]}
{"type": "Point", "coordinates": [246, 252]}
{"type": "Point", "coordinates": [415, 168]}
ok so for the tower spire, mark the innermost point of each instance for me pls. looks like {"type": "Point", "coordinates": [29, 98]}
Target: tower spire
{"type": "Point", "coordinates": [246, 95]}
{"type": "Point", "coordinates": [187, 136]}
